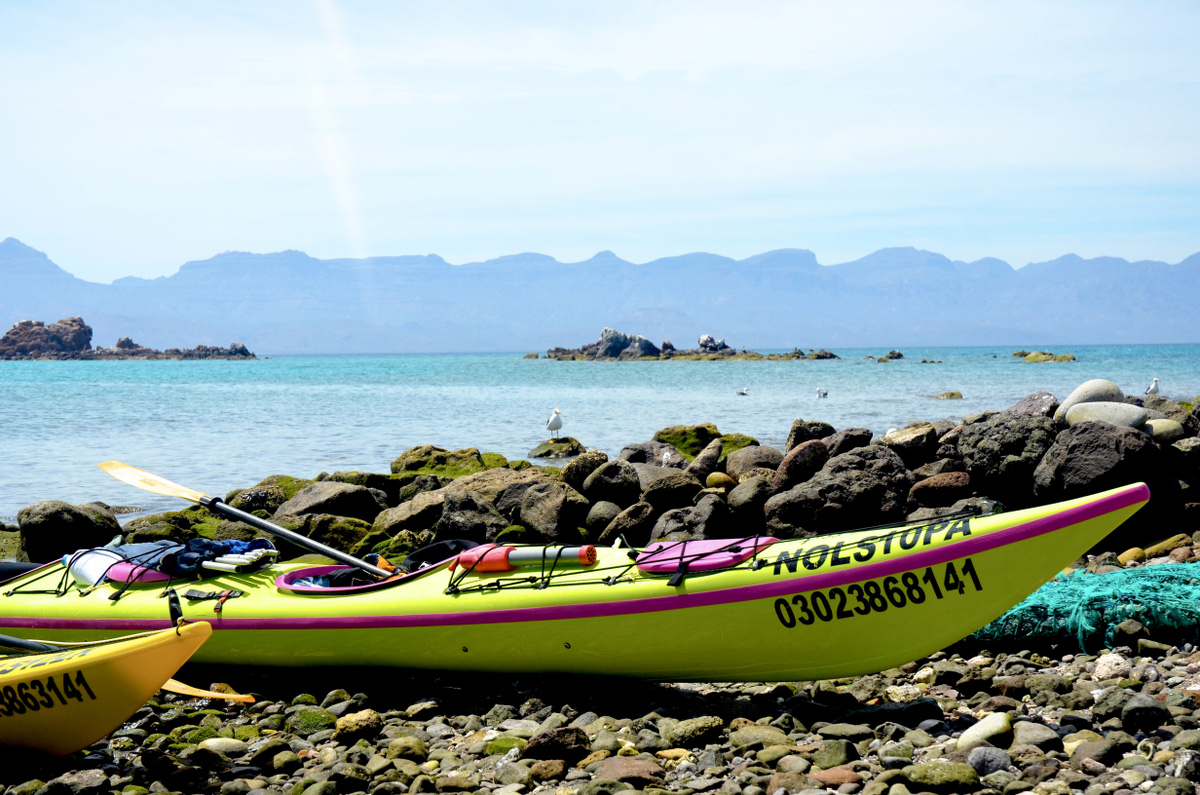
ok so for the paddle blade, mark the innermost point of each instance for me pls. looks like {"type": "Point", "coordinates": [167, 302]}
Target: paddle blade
{"type": "Point", "coordinates": [149, 482]}
{"type": "Point", "coordinates": [175, 686]}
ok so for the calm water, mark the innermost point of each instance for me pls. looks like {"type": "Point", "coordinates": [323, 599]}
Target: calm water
{"type": "Point", "coordinates": [216, 426]}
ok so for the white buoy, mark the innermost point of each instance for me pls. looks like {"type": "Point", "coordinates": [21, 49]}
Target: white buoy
{"type": "Point", "coordinates": [1153, 388]}
{"type": "Point", "coordinates": [555, 422]}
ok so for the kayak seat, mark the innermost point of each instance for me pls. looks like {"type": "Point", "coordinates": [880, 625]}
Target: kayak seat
{"type": "Point", "coordinates": [291, 581]}
{"type": "Point", "coordinates": [665, 557]}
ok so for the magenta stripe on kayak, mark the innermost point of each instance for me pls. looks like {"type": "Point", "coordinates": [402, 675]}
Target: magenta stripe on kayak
{"type": "Point", "coordinates": [783, 587]}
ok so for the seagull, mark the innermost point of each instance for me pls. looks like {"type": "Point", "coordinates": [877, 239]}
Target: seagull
{"type": "Point", "coordinates": [1153, 388]}
{"type": "Point", "coordinates": [555, 421]}
{"type": "Point", "coordinates": [822, 393]}
{"type": "Point", "coordinates": [666, 457]}
{"type": "Point", "coordinates": [743, 391]}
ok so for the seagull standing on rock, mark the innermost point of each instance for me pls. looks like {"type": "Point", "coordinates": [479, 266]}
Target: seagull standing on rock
{"type": "Point", "coordinates": [555, 422]}
{"type": "Point", "coordinates": [1153, 388]}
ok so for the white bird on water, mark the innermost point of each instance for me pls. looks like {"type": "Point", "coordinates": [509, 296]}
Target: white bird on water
{"type": "Point", "coordinates": [743, 391]}
{"type": "Point", "coordinates": [555, 421]}
{"type": "Point", "coordinates": [822, 393]}
{"type": "Point", "coordinates": [1153, 388]}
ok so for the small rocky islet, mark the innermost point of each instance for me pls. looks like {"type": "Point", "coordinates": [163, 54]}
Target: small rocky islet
{"type": "Point", "coordinates": [969, 719]}
{"type": "Point", "coordinates": [70, 339]}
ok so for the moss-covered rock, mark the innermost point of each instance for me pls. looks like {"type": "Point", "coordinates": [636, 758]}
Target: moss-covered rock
{"type": "Point", "coordinates": [430, 460]}
{"type": "Point", "coordinates": [340, 532]}
{"type": "Point", "coordinates": [1047, 356]}
{"type": "Point", "coordinates": [565, 447]}
{"type": "Point", "coordinates": [690, 440]}
{"type": "Point", "coordinates": [171, 526]}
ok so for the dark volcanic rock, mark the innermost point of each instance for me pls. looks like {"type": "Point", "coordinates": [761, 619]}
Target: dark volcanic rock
{"type": "Point", "coordinates": [52, 528]}
{"type": "Point", "coordinates": [709, 518]}
{"type": "Point", "coordinates": [739, 462]}
{"type": "Point", "coordinates": [940, 491]}
{"type": "Point", "coordinates": [652, 453]}
{"type": "Point", "coordinates": [338, 499]}
{"type": "Point", "coordinates": [577, 471]}
{"type": "Point", "coordinates": [866, 486]}
{"type": "Point", "coordinates": [707, 461]}
{"type": "Point", "coordinates": [1001, 453]}
{"type": "Point", "coordinates": [847, 440]}
{"type": "Point", "coordinates": [747, 503]}
{"type": "Point", "coordinates": [616, 481]}
{"type": "Point", "coordinates": [804, 430]}
{"type": "Point", "coordinates": [634, 524]}
{"type": "Point", "coordinates": [469, 515]}
{"type": "Point", "coordinates": [676, 490]}
{"type": "Point", "coordinates": [1094, 456]}
{"type": "Point", "coordinates": [1039, 404]}
{"type": "Point", "coordinates": [801, 463]}
{"type": "Point", "coordinates": [33, 338]}
{"type": "Point", "coordinates": [554, 512]}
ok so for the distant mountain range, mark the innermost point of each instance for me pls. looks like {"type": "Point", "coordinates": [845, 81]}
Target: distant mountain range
{"type": "Point", "coordinates": [289, 302]}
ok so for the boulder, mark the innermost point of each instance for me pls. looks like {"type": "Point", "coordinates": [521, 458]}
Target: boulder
{"type": "Point", "coordinates": [1000, 454]}
{"type": "Point", "coordinates": [801, 463]}
{"type": "Point", "coordinates": [846, 440]}
{"type": "Point", "coordinates": [1185, 456]}
{"type": "Point", "coordinates": [340, 532]}
{"type": "Point", "coordinates": [51, 529]}
{"type": "Point", "coordinates": [469, 515]}
{"type": "Point", "coordinates": [1094, 456]}
{"type": "Point", "coordinates": [1094, 391]}
{"type": "Point", "coordinates": [565, 447]}
{"type": "Point", "coordinates": [689, 440]}
{"type": "Point", "coordinates": [866, 486]}
{"type": "Point", "coordinates": [677, 490]}
{"type": "Point", "coordinates": [803, 431]}
{"type": "Point", "coordinates": [1039, 404]}
{"type": "Point", "coordinates": [1173, 411]}
{"type": "Point", "coordinates": [615, 481]}
{"type": "Point", "coordinates": [421, 484]}
{"type": "Point", "coordinates": [941, 491]}
{"type": "Point", "coordinates": [1164, 431]}
{"type": "Point", "coordinates": [427, 459]}
{"type": "Point", "coordinates": [938, 467]}
{"type": "Point", "coordinates": [739, 462]}
{"type": "Point", "coordinates": [495, 482]}
{"type": "Point", "coordinates": [554, 512]}
{"type": "Point", "coordinates": [707, 461]}
{"type": "Point", "coordinates": [652, 453]}
{"type": "Point", "coordinates": [648, 473]}
{"type": "Point", "coordinates": [634, 524]}
{"type": "Point", "coordinates": [577, 471]}
{"type": "Point", "coordinates": [1106, 411]}
{"type": "Point", "coordinates": [420, 513]}
{"type": "Point", "coordinates": [747, 503]}
{"type": "Point", "coordinates": [601, 516]}
{"type": "Point", "coordinates": [338, 499]}
{"type": "Point", "coordinates": [915, 443]}
{"type": "Point", "coordinates": [709, 518]}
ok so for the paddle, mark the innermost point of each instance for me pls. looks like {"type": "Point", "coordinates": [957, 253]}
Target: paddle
{"type": "Point", "coordinates": [171, 685]}
{"type": "Point", "coordinates": [153, 483]}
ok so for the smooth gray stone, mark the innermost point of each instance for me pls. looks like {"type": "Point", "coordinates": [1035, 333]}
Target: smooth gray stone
{"type": "Point", "coordinates": [1094, 391]}
{"type": "Point", "coordinates": [1123, 414]}
{"type": "Point", "coordinates": [1165, 431]}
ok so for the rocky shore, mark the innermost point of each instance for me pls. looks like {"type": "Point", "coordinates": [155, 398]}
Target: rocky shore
{"type": "Point", "coordinates": [616, 345]}
{"type": "Point", "coordinates": [1043, 717]}
{"type": "Point", "coordinates": [71, 339]}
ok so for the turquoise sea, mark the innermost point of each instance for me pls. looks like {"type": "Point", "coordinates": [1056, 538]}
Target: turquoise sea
{"type": "Point", "coordinates": [216, 426]}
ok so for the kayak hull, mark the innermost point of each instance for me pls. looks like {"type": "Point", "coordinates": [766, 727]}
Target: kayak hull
{"type": "Point", "coordinates": [824, 607]}
{"type": "Point", "coordinates": [60, 702]}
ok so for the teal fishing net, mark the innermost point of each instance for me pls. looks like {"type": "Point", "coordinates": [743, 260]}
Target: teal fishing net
{"type": "Point", "coordinates": [1088, 607]}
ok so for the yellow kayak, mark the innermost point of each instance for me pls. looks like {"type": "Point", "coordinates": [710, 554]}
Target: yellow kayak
{"type": "Point", "coordinates": [752, 609]}
{"type": "Point", "coordinates": [63, 701]}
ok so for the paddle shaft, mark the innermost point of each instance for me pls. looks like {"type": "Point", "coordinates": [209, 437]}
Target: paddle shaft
{"type": "Point", "coordinates": [26, 645]}
{"type": "Point", "coordinates": [217, 506]}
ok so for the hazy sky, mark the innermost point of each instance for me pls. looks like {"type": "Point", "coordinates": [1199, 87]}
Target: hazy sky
{"type": "Point", "coordinates": [135, 136]}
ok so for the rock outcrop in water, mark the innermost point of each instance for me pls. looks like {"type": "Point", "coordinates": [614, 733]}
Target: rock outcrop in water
{"type": "Point", "coordinates": [616, 345]}
{"type": "Point", "coordinates": [71, 338]}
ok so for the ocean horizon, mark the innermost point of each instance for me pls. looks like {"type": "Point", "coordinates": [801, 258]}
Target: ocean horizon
{"type": "Point", "coordinates": [220, 425]}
